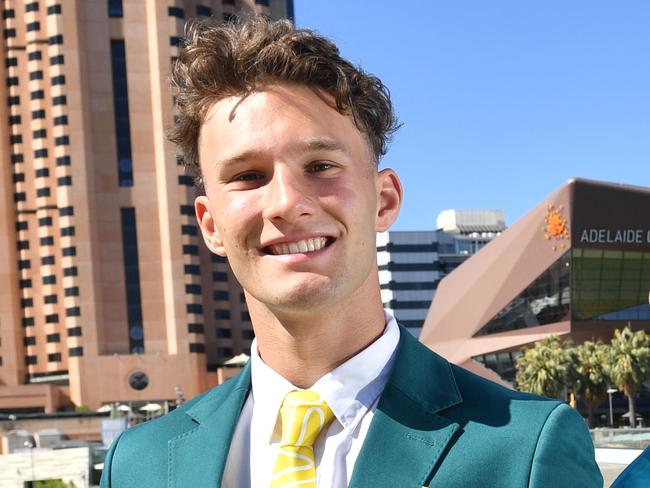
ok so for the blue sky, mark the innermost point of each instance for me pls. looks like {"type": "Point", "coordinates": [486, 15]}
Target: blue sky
{"type": "Point", "coordinates": [502, 101]}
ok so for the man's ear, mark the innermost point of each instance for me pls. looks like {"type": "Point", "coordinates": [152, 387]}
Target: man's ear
{"type": "Point", "coordinates": [389, 199]}
{"type": "Point", "coordinates": [211, 234]}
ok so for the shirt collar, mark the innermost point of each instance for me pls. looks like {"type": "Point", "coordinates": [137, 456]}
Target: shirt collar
{"type": "Point", "coordinates": [350, 390]}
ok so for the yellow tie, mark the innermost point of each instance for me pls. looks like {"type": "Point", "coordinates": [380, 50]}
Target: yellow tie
{"type": "Point", "coordinates": [304, 415]}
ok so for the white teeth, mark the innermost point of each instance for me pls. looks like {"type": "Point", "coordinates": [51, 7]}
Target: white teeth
{"type": "Point", "coordinates": [304, 246]}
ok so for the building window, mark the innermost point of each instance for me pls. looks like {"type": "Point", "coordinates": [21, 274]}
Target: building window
{"type": "Point", "coordinates": [21, 225]}
{"type": "Point", "coordinates": [9, 62]}
{"type": "Point", "coordinates": [189, 230]}
{"type": "Point", "coordinates": [40, 153]}
{"type": "Point", "coordinates": [60, 100]}
{"type": "Point", "coordinates": [220, 295]}
{"type": "Point", "coordinates": [175, 41]}
{"type": "Point", "coordinates": [115, 8]}
{"type": "Point", "coordinates": [58, 80]}
{"type": "Point", "coordinates": [64, 181]}
{"type": "Point", "coordinates": [220, 276]}
{"type": "Point", "coordinates": [43, 192]}
{"type": "Point", "coordinates": [42, 173]}
{"type": "Point", "coordinates": [28, 321]}
{"type": "Point", "coordinates": [63, 211]}
{"type": "Point", "coordinates": [74, 332]}
{"type": "Point", "coordinates": [72, 291]}
{"type": "Point", "coordinates": [37, 95]}
{"type": "Point", "coordinates": [24, 264]}
{"type": "Point", "coordinates": [185, 180]}
{"type": "Point", "coordinates": [176, 12]}
{"type": "Point", "coordinates": [69, 251]}
{"type": "Point", "coordinates": [121, 113]}
{"type": "Point", "coordinates": [187, 210]}
{"type": "Point", "coordinates": [224, 352]}
{"type": "Point", "coordinates": [222, 314]}
{"type": "Point", "coordinates": [33, 26]}
{"type": "Point", "coordinates": [25, 283]}
{"type": "Point", "coordinates": [39, 134]}
{"type": "Point", "coordinates": [224, 333]}
{"type": "Point", "coordinates": [76, 351]}
{"type": "Point", "coordinates": [54, 357]}
{"type": "Point", "coordinates": [71, 271]}
{"type": "Point", "coordinates": [8, 13]}
{"type": "Point", "coordinates": [62, 141]}
{"type": "Point", "coordinates": [67, 231]}
{"type": "Point", "coordinates": [14, 119]}
{"type": "Point", "coordinates": [12, 81]}
{"type": "Point", "coordinates": [132, 280]}
{"type": "Point", "coordinates": [38, 114]}
{"type": "Point", "coordinates": [44, 221]}
{"type": "Point", "coordinates": [195, 328]}
{"type": "Point", "coordinates": [26, 302]}
{"type": "Point", "coordinates": [203, 10]}
{"type": "Point", "coordinates": [18, 177]}
{"type": "Point", "coordinates": [195, 308]}
{"type": "Point", "coordinates": [29, 341]}
{"type": "Point", "coordinates": [199, 348]}
{"type": "Point", "coordinates": [47, 241]}
{"type": "Point", "coordinates": [11, 101]}
{"type": "Point", "coordinates": [193, 289]}
{"type": "Point", "coordinates": [16, 158]}
{"type": "Point", "coordinates": [47, 260]}
{"type": "Point", "coordinates": [9, 33]}
{"type": "Point", "coordinates": [30, 360]}
{"type": "Point", "coordinates": [58, 59]}
{"type": "Point", "coordinates": [15, 139]}
{"type": "Point", "coordinates": [52, 318]}
{"type": "Point", "coordinates": [247, 335]}
{"type": "Point", "coordinates": [53, 9]}
{"type": "Point", "coordinates": [73, 311]}
{"type": "Point", "coordinates": [31, 7]}
{"type": "Point", "coordinates": [192, 269]}
{"type": "Point", "coordinates": [53, 337]}
{"type": "Point", "coordinates": [52, 40]}
{"type": "Point", "coordinates": [35, 56]}
{"type": "Point", "coordinates": [49, 280]}
{"type": "Point", "coordinates": [50, 299]}
{"type": "Point", "coordinates": [63, 161]}
{"type": "Point", "coordinates": [191, 250]}
{"type": "Point", "coordinates": [61, 120]}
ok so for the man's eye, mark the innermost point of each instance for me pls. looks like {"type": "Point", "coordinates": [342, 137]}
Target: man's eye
{"type": "Point", "coordinates": [248, 177]}
{"type": "Point", "coordinates": [320, 166]}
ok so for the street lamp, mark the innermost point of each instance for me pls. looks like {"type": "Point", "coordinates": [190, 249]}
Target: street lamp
{"type": "Point", "coordinates": [610, 392]}
{"type": "Point", "coordinates": [30, 445]}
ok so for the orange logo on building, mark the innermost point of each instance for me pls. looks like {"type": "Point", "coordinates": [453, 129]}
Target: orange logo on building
{"type": "Point", "coordinates": [556, 227]}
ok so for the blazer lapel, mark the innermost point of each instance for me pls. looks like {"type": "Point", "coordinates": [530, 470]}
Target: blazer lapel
{"type": "Point", "coordinates": [407, 437]}
{"type": "Point", "coordinates": [198, 456]}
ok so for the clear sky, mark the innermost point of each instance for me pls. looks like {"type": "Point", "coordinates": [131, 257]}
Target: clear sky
{"type": "Point", "coordinates": [502, 101]}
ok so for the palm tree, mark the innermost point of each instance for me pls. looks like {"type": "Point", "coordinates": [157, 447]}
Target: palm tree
{"type": "Point", "coordinates": [590, 376]}
{"type": "Point", "coordinates": [545, 368]}
{"type": "Point", "coordinates": [628, 363]}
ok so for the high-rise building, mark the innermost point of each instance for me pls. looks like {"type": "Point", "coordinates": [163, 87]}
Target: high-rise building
{"type": "Point", "coordinates": [106, 292]}
{"type": "Point", "coordinates": [412, 263]}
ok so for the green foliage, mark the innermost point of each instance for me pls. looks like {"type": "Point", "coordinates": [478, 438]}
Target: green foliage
{"type": "Point", "coordinates": [82, 408]}
{"type": "Point", "coordinates": [546, 368]}
{"type": "Point", "coordinates": [590, 373]}
{"type": "Point", "coordinates": [53, 484]}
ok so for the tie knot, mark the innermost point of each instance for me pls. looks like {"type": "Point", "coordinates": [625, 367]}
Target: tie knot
{"type": "Point", "coordinates": [304, 415]}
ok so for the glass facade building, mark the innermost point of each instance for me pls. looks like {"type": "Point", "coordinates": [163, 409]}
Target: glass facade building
{"type": "Point", "coordinates": [578, 266]}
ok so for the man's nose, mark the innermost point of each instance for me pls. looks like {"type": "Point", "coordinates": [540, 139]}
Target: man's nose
{"type": "Point", "coordinates": [288, 196]}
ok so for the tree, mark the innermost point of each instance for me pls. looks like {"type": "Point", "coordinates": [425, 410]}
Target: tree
{"type": "Point", "coordinates": [628, 363]}
{"type": "Point", "coordinates": [545, 368]}
{"type": "Point", "coordinates": [590, 375]}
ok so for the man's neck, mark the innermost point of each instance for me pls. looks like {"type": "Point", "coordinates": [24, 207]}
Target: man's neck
{"type": "Point", "coordinates": [303, 348]}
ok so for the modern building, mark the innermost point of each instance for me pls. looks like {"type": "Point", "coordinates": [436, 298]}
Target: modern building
{"type": "Point", "coordinates": [578, 265]}
{"type": "Point", "coordinates": [107, 292]}
{"type": "Point", "coordinates": [412, 263]}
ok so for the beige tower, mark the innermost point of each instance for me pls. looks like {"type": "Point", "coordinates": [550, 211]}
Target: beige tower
{"type": "Point", "coordinates": [106, 292]}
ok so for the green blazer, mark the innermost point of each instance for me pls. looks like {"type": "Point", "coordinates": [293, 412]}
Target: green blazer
{"type": "Point", "coordinates": [436, 425]}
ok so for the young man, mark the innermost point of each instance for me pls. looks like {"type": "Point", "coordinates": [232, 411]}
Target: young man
{"type": "Point", "coordinates": [285, 137]}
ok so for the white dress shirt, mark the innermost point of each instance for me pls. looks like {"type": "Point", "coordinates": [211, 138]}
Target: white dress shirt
{"type": "Point", "coordinates": [352, 391]}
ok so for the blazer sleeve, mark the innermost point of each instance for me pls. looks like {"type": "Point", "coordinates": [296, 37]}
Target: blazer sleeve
{"type": "Point", "coordinates": [564, 455]}
{"type": "Point", "coordinates": [105, 482]}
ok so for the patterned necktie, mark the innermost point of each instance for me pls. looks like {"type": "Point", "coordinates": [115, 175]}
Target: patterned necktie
{"type": "Point", "coordinates": [304, 415]}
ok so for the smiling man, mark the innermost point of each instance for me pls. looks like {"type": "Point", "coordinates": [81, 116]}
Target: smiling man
{"type": "Point", "coordinates": [285, 137]}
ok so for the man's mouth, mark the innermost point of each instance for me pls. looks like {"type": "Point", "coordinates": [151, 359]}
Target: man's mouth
{"type": "Point", "coordinates": [302, 246]}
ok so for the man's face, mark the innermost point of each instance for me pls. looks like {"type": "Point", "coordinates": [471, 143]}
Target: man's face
{"type": "Point", "coordinates": [293, 198]}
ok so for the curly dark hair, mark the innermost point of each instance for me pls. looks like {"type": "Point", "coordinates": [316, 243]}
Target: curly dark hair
{"type": "Point", "coordinates": [236, 58]}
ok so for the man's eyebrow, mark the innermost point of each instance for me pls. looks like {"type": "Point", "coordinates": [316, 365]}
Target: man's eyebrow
{"type": "Point", "coordinates": [311, 145]}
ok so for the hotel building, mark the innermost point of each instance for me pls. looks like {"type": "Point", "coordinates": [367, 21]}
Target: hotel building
{"type": "Point", "coordinates": [107, 293]}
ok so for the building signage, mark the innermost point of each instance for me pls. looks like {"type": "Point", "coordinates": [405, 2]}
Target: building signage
{"type": "Point", "coordinates": [615, 236]}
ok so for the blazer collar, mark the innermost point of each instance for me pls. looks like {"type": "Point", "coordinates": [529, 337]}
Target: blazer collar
{"type": "Point", "coordinates": [409, 434]}
{"type": "Point", "coordinates": [197, 457]}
